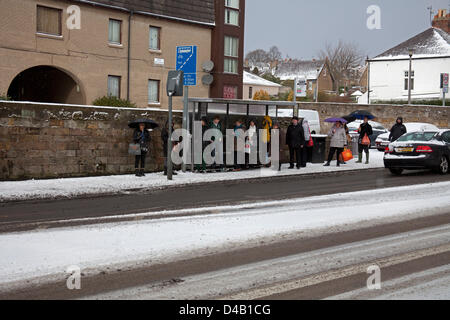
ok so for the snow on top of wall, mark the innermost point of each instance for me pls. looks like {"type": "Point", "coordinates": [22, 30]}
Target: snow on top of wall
{"type": "Point", "coordinates": [431, 43]}
{"type": "Point", "coordinates": [250, 78]}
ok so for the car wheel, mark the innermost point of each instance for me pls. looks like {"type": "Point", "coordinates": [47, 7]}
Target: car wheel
{"type": "Point", "coordinates": [396, 172]}
{"type": "Point", "coordinates": [443, 165]}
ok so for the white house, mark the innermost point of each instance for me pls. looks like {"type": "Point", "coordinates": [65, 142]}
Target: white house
{"type": "Point", "coordinates": [252, 83]}
{"type": "Point", "coordinates": [388, 72]}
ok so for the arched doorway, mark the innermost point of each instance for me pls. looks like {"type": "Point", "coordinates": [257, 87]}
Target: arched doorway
{"type": "Point", "coordinates": [46, 84]}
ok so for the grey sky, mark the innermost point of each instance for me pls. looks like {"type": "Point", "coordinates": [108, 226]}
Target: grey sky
{"type": "Point", "coordinates": [301, 28]}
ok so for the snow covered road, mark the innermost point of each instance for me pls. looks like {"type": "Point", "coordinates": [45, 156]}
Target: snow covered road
{"type": "Point", "coordinates": [45, 253]}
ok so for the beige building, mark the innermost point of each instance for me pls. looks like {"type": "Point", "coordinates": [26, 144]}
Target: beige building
{"type": "Point", "coordinates": [44, 58]}
{"type": "Point", "coordinates": [254, 83]}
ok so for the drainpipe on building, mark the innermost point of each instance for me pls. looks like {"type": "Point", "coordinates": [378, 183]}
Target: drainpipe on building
{"type": "Point", "coordinates": [128, 55]}
{"type": "Point", "coordinates": [410, 76]}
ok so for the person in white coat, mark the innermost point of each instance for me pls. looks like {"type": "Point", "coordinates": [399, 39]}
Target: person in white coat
{"type": "Point", "coordinates": [337, 143]}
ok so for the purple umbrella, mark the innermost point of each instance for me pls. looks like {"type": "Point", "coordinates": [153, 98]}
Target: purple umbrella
{"type": "Point", "coordinates": [332, 120]}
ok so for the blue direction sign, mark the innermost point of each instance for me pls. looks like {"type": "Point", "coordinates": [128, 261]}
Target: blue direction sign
{"type": "Point", "coordinates": [187, 61]}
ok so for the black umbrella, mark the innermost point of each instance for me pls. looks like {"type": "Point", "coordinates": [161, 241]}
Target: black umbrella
{"type": "Point", "coordinates": [361, 114]}
{"type": "Point", "coordinates": [349, 119]}
{"type": "Point", "coordinates": [149, 124]}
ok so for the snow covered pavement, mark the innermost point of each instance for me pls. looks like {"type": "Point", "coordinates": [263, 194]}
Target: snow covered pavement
{"type": "Point", "coordinates": [73, 187]}
{"type": "Point", "coordinates": [42, 253]}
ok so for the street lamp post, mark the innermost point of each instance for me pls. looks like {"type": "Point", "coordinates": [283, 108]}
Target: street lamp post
{"type": "Point", "coordinates": [410, 76]}
{"type": "Point", "coordinates": [368, 79]}
{"type": "Point", "coordinates": [317, 85]}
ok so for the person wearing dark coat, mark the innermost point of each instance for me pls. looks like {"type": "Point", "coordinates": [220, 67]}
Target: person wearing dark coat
{"type": "Point", "coordinates": [295, 139]}
{"type": "Point", "coordinates": [165, 139]}
{"type": "Point", "coordinates": [141, 136]}
{"type": "Point", "coordinates": [364, 129]}
{"type": "Point", "coordinates": [202, 168]}
{"type": "Point", "coordinates": [397, 130]}
{"type": "Point", "coordinates": [239, 144]}
{"type": "Point", "coordinates": [216, 125]}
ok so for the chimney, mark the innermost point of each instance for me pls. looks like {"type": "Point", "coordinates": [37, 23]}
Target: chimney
{"type": "Point", "coordinates": [442, 20]}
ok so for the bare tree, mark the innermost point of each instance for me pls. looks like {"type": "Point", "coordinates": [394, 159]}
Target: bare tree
{"type": "Point", "coordinates": [274, 54]}
{"type": "Point", "coordinates": [256, 57]}
{"type": "Point", "coordinates": [344, 58]}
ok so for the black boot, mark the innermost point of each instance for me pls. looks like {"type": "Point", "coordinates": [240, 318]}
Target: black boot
{"type": "Point", "coordinates": [327, 164]}
{"type": "Point", "coordinates": [136, 172]}
{"type": "Point", "coordinates": [142, 173]}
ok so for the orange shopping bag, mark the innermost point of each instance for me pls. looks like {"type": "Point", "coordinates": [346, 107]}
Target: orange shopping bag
{"type": "Point", "coordinates": [347, 155]}
{"type": "Point", "coordinates": [366, 140]}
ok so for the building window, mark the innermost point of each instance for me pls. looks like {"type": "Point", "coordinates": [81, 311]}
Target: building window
{"type": "Point", "coordinates": [154, 43]}
{"type": "Point", "coordinates": [407, 80]}
{"type": "Point", "coordinates": [115, 31]}
{"type": "Point", "coordinates": [153, 91]}
{"type": "Point", "coordinates": [232, 4]}
{"type": "Point", "coordinates": [310, 85]}
{"type": "Point", "coordinates": [250, 92]}
{"type": "Point", "coordinates": [231, 55]}
{"type": "Point", "coordinates": [232, 17]}
{"type": "Point", "coordinates": [48, 20]}
{"type": "Point", "coordinates": [230, 92]}
{"type": "Point", "coordinates": [114, 86]}
{"type": "Point", "coordinates": [232, 12]}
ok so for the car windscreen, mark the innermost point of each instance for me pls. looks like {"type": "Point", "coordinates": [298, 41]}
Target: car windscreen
{"type": "Point", "coordinates": [417, 136]}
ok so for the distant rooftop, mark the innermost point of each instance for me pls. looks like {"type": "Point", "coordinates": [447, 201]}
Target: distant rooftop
{"type": "Point", "coordinates": [433, 42]}
{"type": "Point", "coordinates": [289, 70]}
{"type": "Point", "coordinates": [253, 79]}
{"type": "Point", "coordinates": [195, 11]}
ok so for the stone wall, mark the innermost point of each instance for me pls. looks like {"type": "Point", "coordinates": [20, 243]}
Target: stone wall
{"type": "Point", "coordinates": [386, 114]}
{"type": "Point", "coordinates": [47, 141]}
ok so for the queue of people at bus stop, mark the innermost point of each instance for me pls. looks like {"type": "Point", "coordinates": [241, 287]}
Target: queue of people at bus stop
{"type": "Point", "coordinates": [296, 138]}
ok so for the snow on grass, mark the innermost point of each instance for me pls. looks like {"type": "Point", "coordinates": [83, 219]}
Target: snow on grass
{"type": "Point", "coordinates": [72, 187]}
{"type": "Point", "coordinates": [49, 252]}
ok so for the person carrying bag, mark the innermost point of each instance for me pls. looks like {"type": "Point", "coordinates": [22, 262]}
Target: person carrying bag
{"type": "Point", "coordinates": [139, 148]}
{"type": "Point", "coordinates": [365, 131]}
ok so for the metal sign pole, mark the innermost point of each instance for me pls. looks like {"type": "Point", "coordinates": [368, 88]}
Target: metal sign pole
{"type": "Point", "coordinates": [294, 98]}
{"type": "Point", "coordinates": [185, 122]}
{"type": "Point", "coordinates": [169, 142]}
{"type": "Point", "coordinates": [191, 119]}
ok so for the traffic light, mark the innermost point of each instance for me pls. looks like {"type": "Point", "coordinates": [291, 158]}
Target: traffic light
{"type": "Point", "coordinates": [175, 83]}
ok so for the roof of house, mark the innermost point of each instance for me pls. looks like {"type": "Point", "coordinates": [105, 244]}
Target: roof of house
{"type": "Point", "coordinates": [253, 79]}
{"type": "Point", "coordinates": [289, 70]}
{"type": "Point", "coordinates": [433, 42]}
{"type": "Point", "coordinates": [357, 93]}
{"type": "Point", "coordinates": [194, 11]}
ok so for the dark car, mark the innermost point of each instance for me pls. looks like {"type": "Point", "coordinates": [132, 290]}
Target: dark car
{"type": "Point", "coordinates": [419, 150]}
